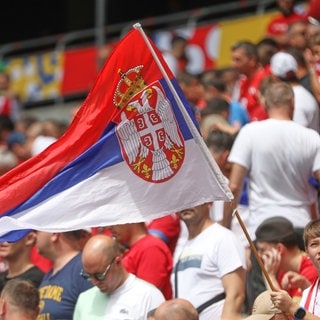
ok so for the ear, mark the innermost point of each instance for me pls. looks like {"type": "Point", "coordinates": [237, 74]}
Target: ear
{"type": "Point", "coordinates": [55, 237]}
{"type": "Point", "coordinates": [253, 61]}
{"type": "Point", "coordinates": [281, 247]}
{"type": "Point", "coordinates": [225, 155]}
{"type": "Point", "coordinates": [209, 205]}
{"type": "Point", "coordinates": [31, 238]}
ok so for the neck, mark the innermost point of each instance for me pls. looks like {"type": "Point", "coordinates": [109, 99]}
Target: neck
{"type": "Point", "coordinates": [293, 260]}
{"type": "Point", "coordinates": [250, 73]}
{"type": "Point", "coordinates": [62, 260]}
{"type": "Point", "coordinates": [123, 277]}
{"type": "Point", "coordinates": [279, 114]}
{"type": "Point", "coordinates": [138, 232]}
{"type": "Point", "coordinates": [18, 266]}
{"type": "Point", "coordinates": [195, 230]}
{"type": "Point", "coordinates": [18, 317]}
{"type": "Point", "coordinates": [12, 313]}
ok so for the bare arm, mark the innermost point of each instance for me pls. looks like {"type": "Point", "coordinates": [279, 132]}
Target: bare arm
{"type": "Point", "coordinates": [234, 286]}
{"type": "Point", "coordinates": [237, 175]}
{"type": "Point", "coordinates": [314, 81]}
{"type": "Point", "coordinates": [315, 207]}
{"type": "Point", "coordinates": [286, 304]}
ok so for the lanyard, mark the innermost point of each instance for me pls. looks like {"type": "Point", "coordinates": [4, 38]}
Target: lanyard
{"type": "Point", "coordinates": [309, 296]}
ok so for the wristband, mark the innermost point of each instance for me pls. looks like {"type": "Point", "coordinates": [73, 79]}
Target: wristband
{"type": "Point", "coordinates": [312, 71]}
{"type": "Point", "coordinates": [299, 314]}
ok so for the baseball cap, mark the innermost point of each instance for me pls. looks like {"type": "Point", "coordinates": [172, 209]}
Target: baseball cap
{"type": "Point", "coordinates": [283, 65]}
{"type": "Point", "coordinates": [276, 229]}
{"type": "Point", "coordinates": [263, 308]}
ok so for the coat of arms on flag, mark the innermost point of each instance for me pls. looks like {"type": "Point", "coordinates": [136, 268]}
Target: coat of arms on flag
{"type": "Point", "coordinates": [150, 139]}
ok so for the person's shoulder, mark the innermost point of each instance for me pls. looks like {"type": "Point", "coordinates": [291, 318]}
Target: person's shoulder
{"type": "Point", "coordinates": [90, 296]}
{"type": "Point", "coordinates": [145, 286]}
{"type": "Point", "coordinates": [91, 292]}
{"type": "Point", "coordinates": [217, 228]}
{"type": "Point", "coordinates": [35, 271]}
{"type": "Point", "coordinates": [151, 241]}
{"type": "Point", "coordinates": [251, 126]}
{"type": "Point", "coordinates": [74, 262]}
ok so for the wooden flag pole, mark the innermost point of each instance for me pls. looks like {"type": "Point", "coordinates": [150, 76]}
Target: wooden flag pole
{"type": "Point", "coordinates": [253, 248]}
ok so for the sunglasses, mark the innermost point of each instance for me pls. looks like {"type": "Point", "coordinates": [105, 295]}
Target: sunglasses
{"type": "Point", "coordinates": [100, 276]}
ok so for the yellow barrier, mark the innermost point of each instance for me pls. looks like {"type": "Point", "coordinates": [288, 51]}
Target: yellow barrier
{"type": "Point", "coordinates": [251, 28]}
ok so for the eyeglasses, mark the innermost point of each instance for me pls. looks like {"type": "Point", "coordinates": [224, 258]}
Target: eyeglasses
{"type": "Point", "coordinates": [98, 276]}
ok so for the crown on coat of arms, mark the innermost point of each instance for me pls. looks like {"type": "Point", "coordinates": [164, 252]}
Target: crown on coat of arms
{"type": "Point", "coordinates": [131, 82]}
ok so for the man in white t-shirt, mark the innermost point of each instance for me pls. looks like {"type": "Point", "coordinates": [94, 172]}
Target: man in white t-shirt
{"type": "Point", "coordinates": [211, 266]}
{"type": "Point", "coordinates": [116, 294]}
{"type": "Point", "coordinates": [279, 156]}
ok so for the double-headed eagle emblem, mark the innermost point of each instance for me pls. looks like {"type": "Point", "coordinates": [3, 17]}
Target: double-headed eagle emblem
{"type": "Point", "coordinates": [149, 136]}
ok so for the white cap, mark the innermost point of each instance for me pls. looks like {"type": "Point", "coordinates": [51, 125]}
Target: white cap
{"type": "Point", "coordinates": [283, 65]}
{"type": "Point", "coordinates": [313, 21]}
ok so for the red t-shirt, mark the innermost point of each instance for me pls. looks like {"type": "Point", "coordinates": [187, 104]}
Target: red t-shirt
{"type": "Point", "coordinates": [249, 95]}
{"type": "Point", "coordinates": [151, 260]}
{"type": "Point", "coordinates": [166, 228]}
{"type": "Point", "coordinates": [279, 24]}
{"type": "Point", "coordinates": [313, 9]}
{"type": "Point", "coordinates": [307, 269]}
{"type": "Point", "coordinates": [40, 261]}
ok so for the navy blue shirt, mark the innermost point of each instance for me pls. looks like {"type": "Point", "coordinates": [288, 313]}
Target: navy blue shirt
{"type": "Point", "coordinates": [59, 292]}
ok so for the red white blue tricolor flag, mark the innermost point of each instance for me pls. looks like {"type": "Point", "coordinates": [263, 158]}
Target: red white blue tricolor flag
{"type": "Point", "coordinates": [128, 156]}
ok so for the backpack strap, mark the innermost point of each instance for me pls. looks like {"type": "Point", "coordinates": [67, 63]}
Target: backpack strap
{"type": "Point", "coordinates": [213, 300]}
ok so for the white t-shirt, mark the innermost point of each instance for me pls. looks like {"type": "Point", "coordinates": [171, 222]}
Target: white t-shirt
{"type": "Point", "coordinates": [203, 262]}
{"type": "Point", "coordinates": [171, 62]}
{"type": "Point", "coordinates": [306, 108]}
{"type": "Point", "coordinates": [314, 299]}
{"type": "Point", "coordinates": [216, 214]}
{"type": "Point", "coordinates": [131, 301]}
{"type": "Point", "coordinates": [281, 156]}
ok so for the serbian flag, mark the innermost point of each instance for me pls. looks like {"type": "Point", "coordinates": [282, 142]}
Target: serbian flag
{"type": "Point", "coordinates": [128, 155]}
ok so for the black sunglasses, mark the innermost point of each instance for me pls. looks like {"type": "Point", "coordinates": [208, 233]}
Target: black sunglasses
{"type": "Point", "coordinates": [98, 276]}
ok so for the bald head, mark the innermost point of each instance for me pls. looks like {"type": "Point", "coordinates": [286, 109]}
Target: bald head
{"type": "Point", "coordinates": [99, 247]}
{"type": "Point", "coordinates": [176, 309]}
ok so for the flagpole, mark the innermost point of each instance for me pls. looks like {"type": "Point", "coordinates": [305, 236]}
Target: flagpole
{"type": "Point", "coordinates": [194, 131]}
{"type": "Point", "coordinates": [253, 248]}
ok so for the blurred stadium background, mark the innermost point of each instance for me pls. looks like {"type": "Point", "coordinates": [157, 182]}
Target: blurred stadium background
{"type": "Point", "coordinates": [53, 50]}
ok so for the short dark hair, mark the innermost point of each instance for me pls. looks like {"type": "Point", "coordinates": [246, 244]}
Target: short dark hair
{"type": "Point", "coordinates": [176, 39]}
{"type": "Point", "coordinates": [219, 141]}
{"type": "Point", "coordinates": [249, 48]}
{"type": "Point", "coordinates": [277, 230]}
{"type": "Point", "coordinates": [23, 295]}
{"type": "Point", "coordinates": [216, 83]}
{"type": "Point", "coordinates": [215, 105]}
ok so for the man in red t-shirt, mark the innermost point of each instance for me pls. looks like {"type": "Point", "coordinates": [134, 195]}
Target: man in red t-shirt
{"type": "Point", "coordinates": [166, 228]}
{"type": "Point", "coordinates": [245, 62]}
{"type": "Point", "coordinates": [147, 257]}
{"type": "Point", "coordinates": [278, 25]}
